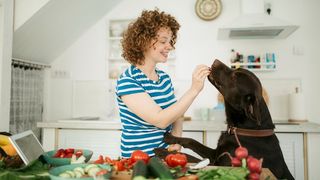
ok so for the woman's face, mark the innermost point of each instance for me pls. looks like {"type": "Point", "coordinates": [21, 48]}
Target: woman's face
{"type": "Point", "coordinates": [160, 47]}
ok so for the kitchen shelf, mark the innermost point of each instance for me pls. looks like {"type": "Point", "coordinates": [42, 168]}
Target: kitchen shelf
{"type": "Point", "coordinates": [116, 63]}
{"type": "Point", "coordinates": [256, 66]}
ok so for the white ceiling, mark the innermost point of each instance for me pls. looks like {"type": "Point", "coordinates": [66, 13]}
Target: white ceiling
{"type": "Point", "coordinates": [56, 26]}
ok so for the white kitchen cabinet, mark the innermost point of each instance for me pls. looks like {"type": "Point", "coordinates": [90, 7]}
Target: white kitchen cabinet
{"type": "Point", "coordinates": [292, 148]}
{"type": "Point", "coordinates": [104, 142]}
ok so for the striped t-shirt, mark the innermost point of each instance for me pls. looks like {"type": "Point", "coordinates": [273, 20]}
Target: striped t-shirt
{"type": "Point", "coordinates": [137, 133]}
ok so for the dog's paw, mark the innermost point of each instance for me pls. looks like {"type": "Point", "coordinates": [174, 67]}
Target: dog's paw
{"type": "Point", "coordinates": [169, 138]}
{"type": "Point", "coordinates": [161, 152]}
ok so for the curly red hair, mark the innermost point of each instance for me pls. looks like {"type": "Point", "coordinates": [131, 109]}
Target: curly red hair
{"type": "Point", "coordinates": [140, 33]}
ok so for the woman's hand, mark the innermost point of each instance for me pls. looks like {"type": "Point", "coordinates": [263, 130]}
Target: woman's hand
{"type": "Point", "coordinates": [198, 76]}
{"type": "Point", "coordinates": [174, 147]}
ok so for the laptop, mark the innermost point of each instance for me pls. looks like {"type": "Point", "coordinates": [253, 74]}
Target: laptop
{"type": "Point", "coordinates": [27, 146]}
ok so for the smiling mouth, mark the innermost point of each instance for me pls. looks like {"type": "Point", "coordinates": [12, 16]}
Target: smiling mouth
{"type": "Point", "coordinates": [165, 54]}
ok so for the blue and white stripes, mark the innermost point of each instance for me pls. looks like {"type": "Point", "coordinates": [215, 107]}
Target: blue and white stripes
{"type": "Point", "coordinates": [137, 133]}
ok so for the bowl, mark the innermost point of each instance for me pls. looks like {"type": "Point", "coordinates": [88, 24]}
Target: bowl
{"type": "Point", "coordinates": [48, 156]}
{"type": "Point", "coordinates": [55, 172]}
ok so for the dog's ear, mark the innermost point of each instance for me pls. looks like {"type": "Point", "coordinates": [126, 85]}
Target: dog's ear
{"type": "Point", "coordinates": [252, 110]}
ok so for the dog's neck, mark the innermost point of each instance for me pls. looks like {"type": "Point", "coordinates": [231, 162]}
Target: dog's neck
{"type": "Point", "coordinates": [240, 120]}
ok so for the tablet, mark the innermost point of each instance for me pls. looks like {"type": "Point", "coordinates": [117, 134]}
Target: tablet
{"type": "Point", "coordinates": [27, 146]}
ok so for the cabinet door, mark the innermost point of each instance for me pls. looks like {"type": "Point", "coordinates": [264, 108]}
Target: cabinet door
{"type": "Point", "coordinates": [292, 148]}
{"type": "Point", "coordinates": [102, 142]}
{"type": "Point", "coordinates": [196, 135]}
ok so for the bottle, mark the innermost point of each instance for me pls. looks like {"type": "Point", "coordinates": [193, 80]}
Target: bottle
{"type": "Point", "coordinates": [233, 56]}
{"type": "Point", "coordinates": [270, 58]}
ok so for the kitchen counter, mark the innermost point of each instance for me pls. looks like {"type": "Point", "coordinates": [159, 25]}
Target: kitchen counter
{"type": "Point", "coordinates": [194, 125]}
{"type": "Point", "coordinates": [299, 141]}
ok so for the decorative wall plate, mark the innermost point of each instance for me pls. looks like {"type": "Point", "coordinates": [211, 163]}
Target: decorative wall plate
{"type": "Point", "coordinates": [208, 9]}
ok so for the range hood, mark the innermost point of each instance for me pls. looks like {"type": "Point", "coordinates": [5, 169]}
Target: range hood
{"type": "Point", "coordinates": [255, 23]}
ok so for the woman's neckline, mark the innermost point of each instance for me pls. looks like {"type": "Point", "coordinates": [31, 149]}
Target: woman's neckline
{"type": "Point", "coordinates": [144, 74]}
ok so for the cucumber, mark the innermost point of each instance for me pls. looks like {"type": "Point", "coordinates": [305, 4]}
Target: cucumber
{"type": "Point", "coordinates": [139, 169]}
{"type": "Point", "coordinates": [159, 169]}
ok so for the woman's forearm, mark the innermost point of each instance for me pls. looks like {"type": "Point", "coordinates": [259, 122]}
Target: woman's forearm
{"type": "Point", "coordinates": [177, 127]}
{"type": "Point", "coordinates": [167, 116]}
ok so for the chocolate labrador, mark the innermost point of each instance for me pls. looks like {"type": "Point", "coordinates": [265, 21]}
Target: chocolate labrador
{"type": "Point", "coordinates": [247, 116]}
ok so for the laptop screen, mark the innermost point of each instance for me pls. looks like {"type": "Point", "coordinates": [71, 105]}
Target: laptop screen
{"type": "Point", "coordinates": [27, 146]}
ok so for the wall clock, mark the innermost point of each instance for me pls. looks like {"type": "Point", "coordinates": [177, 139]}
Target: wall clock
{"type": "Point", "coordinates": [208, 9]}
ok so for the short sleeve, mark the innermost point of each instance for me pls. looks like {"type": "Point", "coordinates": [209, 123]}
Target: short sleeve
{"type": "Point", "coordinates": [127, 85]}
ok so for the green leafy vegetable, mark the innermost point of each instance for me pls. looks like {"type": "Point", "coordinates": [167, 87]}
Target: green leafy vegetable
{"type": "Point", "coordinates": [224, 173]}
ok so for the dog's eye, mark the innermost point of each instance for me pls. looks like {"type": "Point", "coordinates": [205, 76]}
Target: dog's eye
{"type": "Point", "coordinates": [249, 98]}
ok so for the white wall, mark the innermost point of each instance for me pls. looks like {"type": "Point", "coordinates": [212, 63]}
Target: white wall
{"type": "Point", "coordinates": [25, 9]}
{"type": "Point", "coordinates": [3, 124]}
{"type": "Point", "coordinates": [197, 44]}
{"type": "Point", "coordinates": [5, 62]}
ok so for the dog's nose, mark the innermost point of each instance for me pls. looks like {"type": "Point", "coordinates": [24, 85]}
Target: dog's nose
{"type": "Point", "coordinates": [216, 62]}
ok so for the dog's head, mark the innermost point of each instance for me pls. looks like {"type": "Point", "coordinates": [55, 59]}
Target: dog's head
{"type": "Point", "coordinates": [240, 88]}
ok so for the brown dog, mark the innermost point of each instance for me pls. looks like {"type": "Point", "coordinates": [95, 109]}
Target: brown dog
{"type": "Point", "coordinates": [247, 115]}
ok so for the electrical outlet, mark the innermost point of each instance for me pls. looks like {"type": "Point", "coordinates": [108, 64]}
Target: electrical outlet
{"type": "Point", "coordinates": [60, 74]}
{"type": "Point", "coordinates": [297, 50]}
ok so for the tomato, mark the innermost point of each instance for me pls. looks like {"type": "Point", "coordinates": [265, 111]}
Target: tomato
{"type": "Point", "coordinates": [108, 160]}
{"type": "Point", "coordinates": [102, 172]}
{"type": "Point", "coordinates": [139, 155]}
{"type": "Point", "coordinates": [58, 153]}
{"type": "Point", "coordinates": [174, 160]}
{"type": "Point", "coordinates": [169, 161]}
{"type": "Point", "coordinates": [127, 163]}
{"type": "Point", "coordinates": [69, 150]}
{"type": "Point", "coordinates": [118, 165]}
{"type": "Point", "coordinates": [78, 153]}
{"type": "Point", "coordinates": [68, 155]}
{"type": "Point", "coordinates": [62, 155]}
{"type": "Point", "coordinates": [99, 160]}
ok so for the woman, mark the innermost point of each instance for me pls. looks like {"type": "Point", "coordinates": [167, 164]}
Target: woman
{"type": "Point", "coordinates": [147, 104]}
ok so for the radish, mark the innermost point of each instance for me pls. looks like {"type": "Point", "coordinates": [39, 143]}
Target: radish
{"type": "Point", "coordinates": [241, 152]}
{"type": "Point", "coordinates": [254, 165]}
{"type": "Point", "coordinates": [249, 158]}
{"type": "Point", "coordinates": [235, 162]}
{"type": "Point", "coordinates": [254, 176]}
